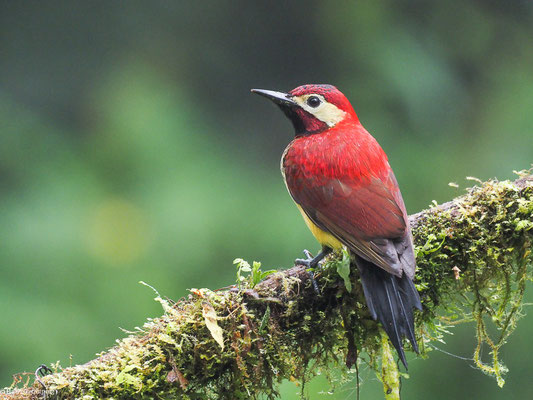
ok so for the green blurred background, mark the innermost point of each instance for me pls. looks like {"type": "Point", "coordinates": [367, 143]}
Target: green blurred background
{"type": "Point", "coordinates": [131, 149]}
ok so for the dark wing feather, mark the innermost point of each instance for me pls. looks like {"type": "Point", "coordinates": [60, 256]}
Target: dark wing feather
{"type": "Point", "coordinates": [367, 217]}
{"type": "Point", "coordinates": [391, 300]}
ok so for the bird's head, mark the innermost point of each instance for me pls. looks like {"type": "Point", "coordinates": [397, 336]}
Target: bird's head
{"type": "Point", "coordinates": [312, 108]}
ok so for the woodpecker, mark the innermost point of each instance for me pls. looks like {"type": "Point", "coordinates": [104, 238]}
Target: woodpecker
{"type": "Point", "coordinates": [341, 181]}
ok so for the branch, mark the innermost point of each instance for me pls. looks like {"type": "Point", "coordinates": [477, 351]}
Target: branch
{"type": "Point", "coordinates": [472, 253]}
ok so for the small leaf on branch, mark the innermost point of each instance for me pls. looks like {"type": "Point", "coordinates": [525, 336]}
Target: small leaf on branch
{"type": "Point", "coordinates": [210, 318]}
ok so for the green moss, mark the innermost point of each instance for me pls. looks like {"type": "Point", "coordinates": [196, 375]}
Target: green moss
{"type": "Point", "coordinates": [473, 261]}
{"type": "Point", "coordinates": [390, 375]}
{"type": "Point", "coordinates": [487, 237]}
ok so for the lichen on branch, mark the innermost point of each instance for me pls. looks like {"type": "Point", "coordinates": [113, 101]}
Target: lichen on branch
{"type": "Point", "coordinates": [473, 257]}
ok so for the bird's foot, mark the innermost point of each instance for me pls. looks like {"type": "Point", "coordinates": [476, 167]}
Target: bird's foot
{"type": "Point", "coordinates": [311, 262]}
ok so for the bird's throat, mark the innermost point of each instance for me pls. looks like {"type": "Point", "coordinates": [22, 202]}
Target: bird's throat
{"type": "Point", "coordinates": [304, 123]}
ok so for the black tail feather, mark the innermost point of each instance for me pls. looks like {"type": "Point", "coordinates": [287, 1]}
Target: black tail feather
{"type": "Point", "coordinates": [390, 300]}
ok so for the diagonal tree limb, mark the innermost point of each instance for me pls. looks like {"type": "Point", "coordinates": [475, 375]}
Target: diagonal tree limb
{"type": "Point", "coordinates": [473, 256]}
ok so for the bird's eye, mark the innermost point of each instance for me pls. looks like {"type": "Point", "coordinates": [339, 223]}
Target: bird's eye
{"type": "Point", "coordinates": [313, 101]}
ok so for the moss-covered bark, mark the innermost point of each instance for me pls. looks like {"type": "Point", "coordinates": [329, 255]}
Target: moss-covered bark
{"type": "Point", "coordinates": [473, 261]}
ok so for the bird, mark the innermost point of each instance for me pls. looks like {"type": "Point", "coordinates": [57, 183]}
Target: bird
{"type": "Point", "coordinates": [342, 183]}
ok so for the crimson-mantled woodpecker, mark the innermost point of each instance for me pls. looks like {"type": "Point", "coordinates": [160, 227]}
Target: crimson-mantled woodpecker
{"type": "Point", "coordinates": [343, 185]}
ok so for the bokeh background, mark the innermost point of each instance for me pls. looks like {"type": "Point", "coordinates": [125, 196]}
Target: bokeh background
{"type": "Point", "coordinates": [131, 149]}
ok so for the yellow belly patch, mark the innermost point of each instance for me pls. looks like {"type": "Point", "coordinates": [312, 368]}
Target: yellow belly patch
{"type": "Point", "coordinates": [324, 238]}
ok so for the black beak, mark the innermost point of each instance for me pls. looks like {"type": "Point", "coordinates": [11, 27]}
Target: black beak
{"type": "Point", "coordinates": [280, 98]}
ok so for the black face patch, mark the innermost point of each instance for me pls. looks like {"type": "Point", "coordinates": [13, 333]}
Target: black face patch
{"type": "Point", "coordinates": [304, 123]}
{"type": "Point", "coordinates": [290, 112]}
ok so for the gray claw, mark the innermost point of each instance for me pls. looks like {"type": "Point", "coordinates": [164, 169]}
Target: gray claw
{"type": "Point", "coordinates": [305, 261]}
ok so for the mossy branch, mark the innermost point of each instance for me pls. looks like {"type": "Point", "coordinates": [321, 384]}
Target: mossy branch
{"type": "Point", "coordinates": [473, 257]}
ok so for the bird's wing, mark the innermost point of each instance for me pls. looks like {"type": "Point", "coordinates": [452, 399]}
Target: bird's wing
{"type": "Point", "coordinates": [368, 217]}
